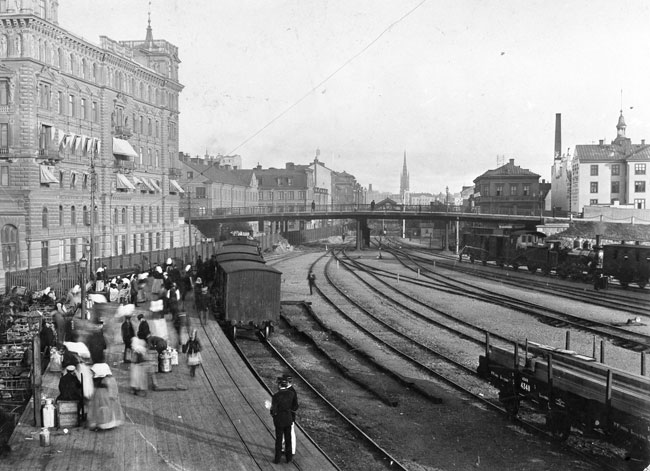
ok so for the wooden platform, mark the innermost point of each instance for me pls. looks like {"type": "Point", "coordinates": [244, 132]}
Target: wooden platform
{"type": "Point", "coordinates": [218, 423]}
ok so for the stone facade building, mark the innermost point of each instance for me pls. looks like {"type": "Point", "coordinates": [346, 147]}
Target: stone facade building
{"type": "Point", "coordinates": [615, 174]}
{"type": "Point", "coordinates": [88, 137]}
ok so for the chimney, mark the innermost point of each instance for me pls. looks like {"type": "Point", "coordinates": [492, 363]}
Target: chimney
{"type": "Point", "coordinates": [642, 142]}
{"type": "Point", "coordinates": [601, 141]}
{"type": "Point", "coordinates": [512, 161]}
{"type": "Point", "coordinates": [558, 135]}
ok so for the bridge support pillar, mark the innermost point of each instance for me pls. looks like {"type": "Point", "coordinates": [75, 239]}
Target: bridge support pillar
{"type": "Point", "coordinates": [363, 234]}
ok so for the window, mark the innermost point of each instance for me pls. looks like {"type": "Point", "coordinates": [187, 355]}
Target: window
{"type": "Point", "coordinates": [73, 180]}
{"type": "Point", "coordinates": [150, 214]}
{"type": "Point", "coordinates": [158, 214]}
{"type": "Point", "coordinates": [639, 203]}
{"type": "Point", "coordinates": [142, 242]}
{"type": "Point", "coordinates": [4, 92]}
{"type": "Point", "coordinates": [95, 112]}
{"type": "Point", "coordinates": [116, 216]}
{"type": "Point", "coordinates": [4, 176]}
{"type": "Point", "coordinates": [526, 190]}
{"type": "Point", "coordinates": [593, 187]}
{"type": "Point", "coordinates": [73, 249]}
{"type": "Point", "coordinates": [45, 253]}
{"type": "Point", "coordinates": [59, 103]}
{"type": "Point", "coordinates": [200, 192]}
{"type": "Point", "coordinates": [616, 169]}
{"type": "Point", "coordinates": [616, 187]}
{"type": "Point", "coordinates": [86, 216]}
{"type": "Point", "coordinates": [82, 109]}
{"type": "Point", "coordinates": [123, 216]}
{"type": "Point", "coordinates": [593, 170]}
{"type": "Point", "coordinates": [9, 241]}
{"type": "Point", "coordinates": [73, 216]}
{"type": "Point", "coordinates": [44, 219]}
{"type": "Point", "coordinates": [639, 169]}
{"type": "Point", "coordinates": [280, 195]}
{"type": "Point", "coordinates": [142, 215]}
{"type": "Point", "coordinates": [513, 190]}
{"type": "Point", "coordinates": [171, 214]}
{"type": "Point", "coordinates": [71, 105]}
{"type": "Point", "coordinates": [290, 197]}
{"type": "Point", "coordinates": [135, 215]}
{"type": "Point", "coordinates": [4, 136]}
{"type": "Point", "coordinates": [639, 187]}
{"type": "Point", "coordinates": [135, 243]}
{"type": "Point", "coordinates": [593, 202]}
{"type": "Point", "coordinates": [84, 181]}
{"type": "Point", "coordinates": [149, 128]}
{"type": "Point", "coordinates": [60, 215]}
{"type": "Point", "coordinates": [190, 175]}
{"type": "Point", "coordinates": [123, 240]}
{"type": "Point", "coordinates": [150, 240]}
{"type": "Point", "coordinates": [157, 240]}
{"type": "Point", "coordinates": [499, 190]}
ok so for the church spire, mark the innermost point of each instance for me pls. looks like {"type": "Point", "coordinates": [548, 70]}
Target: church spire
{"type": "Point", "coordinates": [149, 39]}
{"type": "Point", "coordinates": [404, 178]}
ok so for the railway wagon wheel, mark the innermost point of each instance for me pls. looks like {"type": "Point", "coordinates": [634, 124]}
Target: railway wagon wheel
{"type": "Point", "coordinates": [515, 266]}
{"type": "Point", "coordinates": [471, 259]}
{"type": "Point", "coordinates": [532, 268]}
{"type": "Point", "coordinates": [559, 424]}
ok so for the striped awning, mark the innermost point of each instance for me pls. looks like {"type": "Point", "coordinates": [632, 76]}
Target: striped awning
{"type": "Point", "coordinates": [123, 150]}
{"type": "Point", "coordinates": [174, 187]}
{"type": "Point", "coordinates": [147, 184]}
{"type": "Point", "coordinates": [124, 183]}
{"type": "Point", "coordinates": [47, 175]}
{"type": "Point", "coordinates": [155, 185]}
{"type": "Point", "coordinates": [136, 180]}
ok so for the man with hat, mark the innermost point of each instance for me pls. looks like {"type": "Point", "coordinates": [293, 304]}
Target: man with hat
{"type": "Point", "coordinates": [143, 328]}
{"type": "Point", "coordinates": [284, 404]}
{"type": "Point", "coordinates": [128, 332]}
{"type": "Point", "coordinates": [70, 386]}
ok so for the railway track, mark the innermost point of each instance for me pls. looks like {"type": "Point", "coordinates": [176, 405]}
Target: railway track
{"type": "Point", "coordinates": [318, 415]}
{"type": "Point", "coordinates": [634, 301]}
{"type": "Point", "coordinates": [619, 335]}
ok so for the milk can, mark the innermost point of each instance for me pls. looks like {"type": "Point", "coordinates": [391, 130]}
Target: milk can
{"type": "Point", "coordinates": [48, 414]}
{"type": "Point", "coordinates": [165, 362]}
{"type": "Point", "coordinates": [45, 436]}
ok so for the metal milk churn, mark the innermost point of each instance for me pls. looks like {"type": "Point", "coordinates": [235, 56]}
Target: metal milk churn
{"type": "Point", "coordinates": [48, 414]}
{"type": "Point", "coordinates": [45, 436]}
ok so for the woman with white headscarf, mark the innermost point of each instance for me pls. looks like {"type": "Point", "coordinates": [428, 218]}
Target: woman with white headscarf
{"type": "Point", "coordinates": [105, 411]}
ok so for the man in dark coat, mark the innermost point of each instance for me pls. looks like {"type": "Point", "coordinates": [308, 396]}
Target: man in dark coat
{"type": "Point", "coordinates": [157, 343]}
{"type": "Point", "coordinates": [283, 407]}
{"type": "Point", "coordinates": [143, 328]}
{"type": "Point", "coordinates": [96, 343]}
{"type": "Point", "coordinates": [311, 279]}
{"type": "Point", "coordinates": [128, 332]}
{"type": "Point", "coordinates": [70, 386]}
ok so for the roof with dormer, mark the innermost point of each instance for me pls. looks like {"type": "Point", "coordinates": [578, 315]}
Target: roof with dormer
{"type": "Point", "coordinates": [622, 150]}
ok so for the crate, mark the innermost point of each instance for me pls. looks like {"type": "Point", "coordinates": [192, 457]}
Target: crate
{"type": "Point", "coordinates": [67, 413]}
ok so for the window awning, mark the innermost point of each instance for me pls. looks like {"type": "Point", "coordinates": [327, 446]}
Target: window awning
{"type": "Point", "coordinates": [123, 150]}
{"type": "Point", "coordinates": [123, 183]}
{"type": "Point", "coordinates": [147, 185]}
{"type": "Point", "coordinates": [175, 187]}
{"type": "Point", "coordinates": [47, 175]}
{"type": "Point", "coordinates": [136, 180]}
{"type": "Point", "coordinates": [155, 185]}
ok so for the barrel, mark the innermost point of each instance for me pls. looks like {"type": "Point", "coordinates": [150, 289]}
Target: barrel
{"type": "Point", "coordinates": [164, 362]}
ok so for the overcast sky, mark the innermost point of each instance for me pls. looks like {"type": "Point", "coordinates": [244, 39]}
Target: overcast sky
{"type": "Point", "coordinates": [453, 83]}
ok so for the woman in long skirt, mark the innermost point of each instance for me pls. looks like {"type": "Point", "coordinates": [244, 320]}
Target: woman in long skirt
{"type": "Point", "coordinates": [105, 411]}
{"type": "Point", "coordinates": [138, 379]}
{"type": "Point", "coordinates": [193, 352]}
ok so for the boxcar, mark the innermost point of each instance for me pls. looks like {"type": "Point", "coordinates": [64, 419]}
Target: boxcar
{"type": "Point", "coordinates": [248, 295]}
{"type": "Point", "coordinates": [628, 263]}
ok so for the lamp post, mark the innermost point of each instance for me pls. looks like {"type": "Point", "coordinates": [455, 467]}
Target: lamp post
{"type": "Point", "coordinates": [83, 264]}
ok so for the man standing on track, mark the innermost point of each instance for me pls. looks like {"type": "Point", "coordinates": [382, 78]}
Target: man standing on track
{"type": "Point", "coordinates": [284, 405]}
{"type": "Point", "coordinates": [311, 279]}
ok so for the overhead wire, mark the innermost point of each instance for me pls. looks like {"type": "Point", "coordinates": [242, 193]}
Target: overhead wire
{"type": "Point", "coordinates": [324, 81]}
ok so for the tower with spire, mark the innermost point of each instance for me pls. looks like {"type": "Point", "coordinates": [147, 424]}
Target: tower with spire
{"type": "Point", "coordinates": [404, 180]}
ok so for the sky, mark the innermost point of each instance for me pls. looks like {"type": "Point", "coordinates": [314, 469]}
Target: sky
{"type": "Point", "coordinates": [460, 86]}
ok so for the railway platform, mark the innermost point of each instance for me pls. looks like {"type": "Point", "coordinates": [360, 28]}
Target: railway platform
{"type": "Point", "coordinates": [216, 420]}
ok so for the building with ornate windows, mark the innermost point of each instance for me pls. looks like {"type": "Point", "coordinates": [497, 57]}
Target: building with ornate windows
{"type": "Point", "coordinates": [611, 174]}
{"type": "Point", "coordinates": [88, 141]}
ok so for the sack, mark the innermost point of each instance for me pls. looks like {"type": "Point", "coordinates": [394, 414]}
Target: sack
{"type": "Point", "coordinates": [184, 347]}
{"type": "Point", "coordinates": [194, 359]}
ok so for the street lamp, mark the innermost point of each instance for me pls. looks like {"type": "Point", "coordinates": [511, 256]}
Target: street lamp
{"type": "Point", "coordinates": [83, 264]}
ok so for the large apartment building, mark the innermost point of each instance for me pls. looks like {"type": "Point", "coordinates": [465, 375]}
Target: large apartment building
{"type": "Point", "coordinates": [88, 137]}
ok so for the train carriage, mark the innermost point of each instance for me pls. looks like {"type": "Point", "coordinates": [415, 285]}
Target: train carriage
{"type": "Point", "coordinates": [628, 263]}
{"type": "Point", "coordinates": [248, 295]}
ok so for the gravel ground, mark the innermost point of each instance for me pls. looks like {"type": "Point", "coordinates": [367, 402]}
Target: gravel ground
{"type": "Point", "coordinates": [457, 435]}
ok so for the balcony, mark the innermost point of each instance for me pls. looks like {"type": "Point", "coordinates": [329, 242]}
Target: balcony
{"type": "Point", "coordinates": [50, 153]}
{"type": "Point", "coordinates": [123, 132]}
{"type": "Point", "coordinates": [120, 164]}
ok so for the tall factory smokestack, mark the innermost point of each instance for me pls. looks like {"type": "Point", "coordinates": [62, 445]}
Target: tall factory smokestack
{"type": "Point", "coordinates": [558, 135]}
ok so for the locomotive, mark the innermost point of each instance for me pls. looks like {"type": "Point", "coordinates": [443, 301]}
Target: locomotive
{"type": "Point", "coordinates": [574, 391]}
{"type": "Point", "coordinates": [530, 249]}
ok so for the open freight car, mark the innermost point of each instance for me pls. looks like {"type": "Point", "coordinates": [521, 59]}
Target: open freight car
{"type": "Point", "coordinates": [574, 391]}
{"type": "Point", "coordinates": [248, 296]}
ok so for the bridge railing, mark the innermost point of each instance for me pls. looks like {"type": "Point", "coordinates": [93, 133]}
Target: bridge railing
{"type": "Point", "coordinates": [259, 211]}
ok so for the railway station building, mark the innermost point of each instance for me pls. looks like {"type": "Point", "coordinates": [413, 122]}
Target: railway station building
{"type": "Point", "coordinates": [88, 141]}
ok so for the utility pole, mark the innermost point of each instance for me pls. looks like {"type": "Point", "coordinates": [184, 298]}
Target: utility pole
{"type": "Point", "coordinates": [189, 220]}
